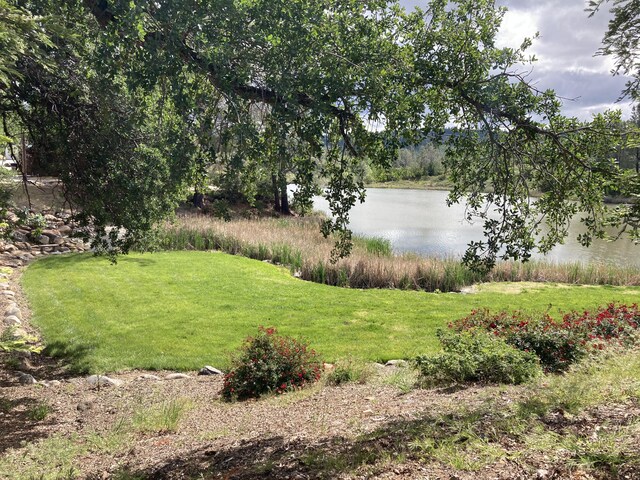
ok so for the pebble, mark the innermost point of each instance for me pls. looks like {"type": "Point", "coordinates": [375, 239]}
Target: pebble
{"type": "Point", "coordinates": [542, 473]}
{"type": "Point", "coordinates": [176, 376]}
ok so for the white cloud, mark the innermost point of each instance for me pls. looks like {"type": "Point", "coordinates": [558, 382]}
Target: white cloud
{"type": "Point", "coordinates": [565, 51]}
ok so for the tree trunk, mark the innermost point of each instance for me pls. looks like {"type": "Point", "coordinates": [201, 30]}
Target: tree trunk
{"type": "Point", "coordinates": [284, 199]}
{"type": "Point", "coordinates": [276, 193]}
{"type": "Point", "coordinates": [198, 199]}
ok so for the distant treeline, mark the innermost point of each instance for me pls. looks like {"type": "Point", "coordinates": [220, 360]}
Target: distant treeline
{"type": "Point", "coordinates": [412, 163]}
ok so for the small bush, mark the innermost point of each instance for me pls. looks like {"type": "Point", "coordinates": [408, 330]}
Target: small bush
{"type": "Point", "coordinates": [350, 370]}
{"type": "Point", "coordinates": [556, 346]}
{"type": "Point", "coordinates": [164, 417]}
{"type": "Point", "coordinates": [476, 357]}
{"type": "Point", "coordinates": [268, 363]}
{"type": "Point", "coordinates": [39, 412]}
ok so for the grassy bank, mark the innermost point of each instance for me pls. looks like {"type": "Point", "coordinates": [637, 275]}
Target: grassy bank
{"type": "Point", "coordinates": [439, 182]}
{"type": "Point", "coordinates": [298, 244]}
{"type": "Point", "coordinates": [181, 310]}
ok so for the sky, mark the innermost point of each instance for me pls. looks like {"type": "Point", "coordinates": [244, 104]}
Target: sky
{"type": "Point", "coordinates": [565, 48]}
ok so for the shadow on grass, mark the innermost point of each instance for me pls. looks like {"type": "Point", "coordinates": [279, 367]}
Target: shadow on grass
{"type": "Point", "coordinates": [69, 260]}
{"type": "Point", "coordinates": [74, 356]}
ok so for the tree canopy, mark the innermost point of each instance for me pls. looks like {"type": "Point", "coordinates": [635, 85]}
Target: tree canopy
{"type": "Point", "coordinates": [134, 101]}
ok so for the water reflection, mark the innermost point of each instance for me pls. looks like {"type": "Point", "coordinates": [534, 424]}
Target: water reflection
{"type": "Point", "coordinates": [419, 221]}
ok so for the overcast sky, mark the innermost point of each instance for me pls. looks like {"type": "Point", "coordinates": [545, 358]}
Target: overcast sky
{"type": "Point", "coordinates": [565, 52]}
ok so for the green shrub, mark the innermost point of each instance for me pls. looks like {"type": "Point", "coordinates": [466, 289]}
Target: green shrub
{"type": "Point", "coordinates": [476, 357]}
{"type": "Point", "coordinates": [558, 345]}
{"type": "Point", "coordinates": [555, 345]}
{"type": "Point", "coordinates": [269, 363]}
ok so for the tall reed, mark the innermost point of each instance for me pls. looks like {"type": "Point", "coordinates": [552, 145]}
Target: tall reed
{"type": "Point", "coordinates": [298, 244]}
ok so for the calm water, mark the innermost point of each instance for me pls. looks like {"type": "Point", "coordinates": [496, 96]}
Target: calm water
{"type": "Point", "coordinates": [419, 221]}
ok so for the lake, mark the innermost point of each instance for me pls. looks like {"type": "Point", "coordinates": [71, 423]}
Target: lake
{"type": "Point", "coordinates": [419, 221]}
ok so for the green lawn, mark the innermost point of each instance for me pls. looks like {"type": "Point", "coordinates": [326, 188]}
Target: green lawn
{"type": "Point", "coordinates": [181, 310]}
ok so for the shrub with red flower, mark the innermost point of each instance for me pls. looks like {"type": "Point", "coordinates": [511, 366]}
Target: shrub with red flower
{"type": "Point", "coordinates": [270, 362]}
{"type": "Point", "coordinates": [558, 344]}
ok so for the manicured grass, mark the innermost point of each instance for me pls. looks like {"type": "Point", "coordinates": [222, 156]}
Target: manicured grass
{"type": "Point", "coordinates": [181, 310]}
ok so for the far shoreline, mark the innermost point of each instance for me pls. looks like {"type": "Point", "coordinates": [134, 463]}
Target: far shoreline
{"type": "Point", "coordinates": [438, 183]}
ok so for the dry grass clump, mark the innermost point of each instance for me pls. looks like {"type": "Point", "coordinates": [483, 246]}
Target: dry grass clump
{"type": "Point", "coordinates": [298, 244]}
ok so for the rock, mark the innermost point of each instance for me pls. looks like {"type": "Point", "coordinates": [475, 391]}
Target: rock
{"type": "Point", "coordinates": [396, 363]}
{"type": "Point", "coordinates": [63, 249]}
{"type": "Point", "coordinates": [43, 239]}
{"type": "Point", "coordinates": [13, 310]}
{"type": "Point", "coordinates": [8, 293]}
{"type": "Point", "coordinates": [103, 380]}
{"type": "Point", "coordinates": [176, 376]}
{"type": "Point", "coordinates": [50, 218]}
{"type": "Point", "coordinates": [542, 473]}
{"type": "Point", "coordinates": [148, 376]}
{"type": "Point", "coordinates": [51, 232]}
{"type": "Point", "coordinates": [50, 383]}
{"type": "Point", "coordinates": [26, 379]}
{"type": "Point", "coordinates": [328, 366]}
{"type": "Point", "coordinates": [209, 370]}
{"type": "Point", "coordinates": [56, 240]}
{"type": "Point", "coordinates": [9, 248]}
{"type": "Point", "coordinates": [12, 321]}
{"type": "Point", "coordinates": [19, 236]}
{"type": "Point", "coordinates": [64, 229]}
{"type": "Point", "coordinates": [84, 406]}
